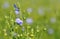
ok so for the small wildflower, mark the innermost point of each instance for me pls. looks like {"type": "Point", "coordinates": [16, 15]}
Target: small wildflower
{"type": "Point", "coordinates": [50, 31]}
{"type": "Point", "coordinates": [29, 20]}
{"type": "Point", "coordinates": [29, 10]}
{"type": "Point", "coordinates": [5, 5]}
{"type": "Point", "coordinates": [41, 11]}
{"type": "Point", "coordinates": [15, 6]}
{"type": "Point", "coordinates": [20, 22]}
{"type": "Point", "coordinates": [16, 12]}
{"type": "Point", "coordinates": [52, 20]}
{"type": "Point", "coordinates": [16, 9]}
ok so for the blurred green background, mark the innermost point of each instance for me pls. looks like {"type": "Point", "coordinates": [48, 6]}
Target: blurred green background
{"type": "Point", "coordinates": [41, 23]}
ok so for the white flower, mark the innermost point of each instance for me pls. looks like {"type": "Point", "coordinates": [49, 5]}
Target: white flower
{"type": "Point", "coordinates": [5, 5]}
{"type": "Point", "coordinates": [29, 10]}
{"type": "Point", "coordinates": [41, 11]}
{"type": "Point", "coordinates": [50, 31]}
{"type": "Point", "coordinates": [16, 12]}
{"type": "Point", "coordinates": [29, 20]}
{"type": "Point", "coordinates": [19, 21]}
{"type": "Point", "coordinates": [52, 20]}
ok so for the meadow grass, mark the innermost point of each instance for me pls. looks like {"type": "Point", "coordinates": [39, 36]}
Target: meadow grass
{"type": "Point", "coordinates": [41, 23]}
